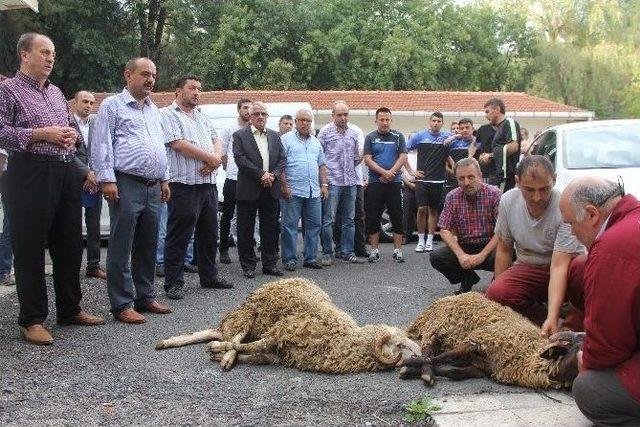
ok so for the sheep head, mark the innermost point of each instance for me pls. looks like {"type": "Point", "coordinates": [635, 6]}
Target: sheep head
{"type": "Point", "coordinates": [391, 346]}
{"type": "Point", "coordinates": [562, 351]}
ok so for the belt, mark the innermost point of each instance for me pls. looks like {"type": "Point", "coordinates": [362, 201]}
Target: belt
{"type": "Point", "coordinates": [23, 155]}
{"type": "Point", "coordinates": [140, 179]}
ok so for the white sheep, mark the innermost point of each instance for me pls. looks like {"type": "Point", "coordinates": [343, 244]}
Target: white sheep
{"type": "Point", "coordinates": [292, 322]}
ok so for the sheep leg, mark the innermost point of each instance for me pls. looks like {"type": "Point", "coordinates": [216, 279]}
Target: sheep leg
{"type": "Point", "coordinates": [458, 372]}
{"type": "Point", "coordinates": [193, 338]}
{"type": "Point", "coordinates": [254, 359]}
{"type": "Point", "coordinates": [259, 346]}
{"type": "Point", "coordinates": [229, 358]}
{"type": "Point", "coordinates": [462, 354]}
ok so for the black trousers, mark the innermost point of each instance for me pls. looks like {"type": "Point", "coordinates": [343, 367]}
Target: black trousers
{"type": "Point", "coordinates": [228, 207]}
{"type": "Point", "coordinates": [191, 208]}
{"type": "Point", "coordinates": [268, 210]}
{"type": "Point", "coordinates": [379, 196]}
{"type": "Point", "coordinates": [92, 222]}
{"type": "Point", "coordinates": [409, 210]}
{"type": "Point", "coordinates": [360, 238]}
{"type": "Point", "coordinates": [445, 261]}
{"type": "Point", "coordinates": [43, 201]}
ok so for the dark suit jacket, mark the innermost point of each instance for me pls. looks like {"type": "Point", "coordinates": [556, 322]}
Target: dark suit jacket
{"type": "Point", "coordinates": [249, 162]}
{"type": "Point", "coordinates": [83, 152]}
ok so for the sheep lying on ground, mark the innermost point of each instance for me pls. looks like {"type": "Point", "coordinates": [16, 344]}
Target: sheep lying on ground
{"type": "Point", "coordinates": [293, 322]}
{"type": "Point", "coordinates": [468, 336]}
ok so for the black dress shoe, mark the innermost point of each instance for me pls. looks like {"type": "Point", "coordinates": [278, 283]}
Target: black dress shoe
{"type": "Point", "coordinates": [272, 272]}
{"type": "Point", "coordinates": [249, 274]}
{"type": "Point", "coordinates": [218, 284]}
{"type": "Point", "coordinates": [224, 257]}
{"type": "Point", "coordinates": [312, 264]}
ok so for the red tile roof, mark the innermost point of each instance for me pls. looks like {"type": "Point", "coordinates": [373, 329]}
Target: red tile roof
{"type": "Point", "coordinates": [371, 100]}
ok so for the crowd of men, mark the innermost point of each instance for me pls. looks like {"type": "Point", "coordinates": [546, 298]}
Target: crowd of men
{"type": "Point", "coordinates": [496, 211]}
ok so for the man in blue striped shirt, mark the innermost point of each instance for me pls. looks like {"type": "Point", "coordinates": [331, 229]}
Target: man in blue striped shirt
{"type": "Point", "coordinates": [129, 159]}
{"type": "Point", "coordinates": [194, 157]}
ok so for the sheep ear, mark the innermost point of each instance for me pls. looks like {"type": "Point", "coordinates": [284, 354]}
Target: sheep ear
{"type": "Point", "coordinates": [381, 340]}
{"type": "Point", "coordinates": [555, 349]}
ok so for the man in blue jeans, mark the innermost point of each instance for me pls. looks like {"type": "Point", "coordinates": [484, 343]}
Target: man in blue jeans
{"type": "Point", "coordinates": [189, 264]}
{"type": "Point", "coordinates": [340, 144]}
{"type": "Point", "coordinates": [303, 183]}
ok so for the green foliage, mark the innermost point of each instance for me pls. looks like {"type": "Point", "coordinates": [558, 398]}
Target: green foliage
{"type": "Point", "coordinates": [420, 410]}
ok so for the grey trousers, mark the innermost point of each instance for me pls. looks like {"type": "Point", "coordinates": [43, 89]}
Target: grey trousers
{"type": "Point", "coordinates": [133, 235]}
{"type": "Point", "coordinates": [604, 400]}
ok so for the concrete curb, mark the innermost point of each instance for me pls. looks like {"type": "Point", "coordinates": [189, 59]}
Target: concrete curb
{"type": "Point", "coordinates": [510, 409]}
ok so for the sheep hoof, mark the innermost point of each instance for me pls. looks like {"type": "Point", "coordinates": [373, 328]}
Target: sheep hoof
{"type": "Point", "coordinates": [414, 362]}
{"type": "Point", "coordinates": [160, 345]}
{"type": "Point", "coordinates": [409, 372]}
{"type": "Point", "coordinates": [228, 360]}
{"type": "Point", "coordinates": [220, 346]}
{"type": "Point", "coordinates": [428, 380]}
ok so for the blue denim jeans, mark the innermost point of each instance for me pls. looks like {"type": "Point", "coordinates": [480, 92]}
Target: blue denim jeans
{"type": "Point", "coordinates": [6, 253]}
{"type": "Point", "coordinates": [292, 210]}
{"type": "Point", "coordinates": [345, 195]}
{"type": "Point", "coordinates": [162, 234]}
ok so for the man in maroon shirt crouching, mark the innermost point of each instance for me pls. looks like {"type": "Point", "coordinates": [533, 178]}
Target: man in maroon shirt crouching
{"type": "Point", "coordinates": [607, 390]}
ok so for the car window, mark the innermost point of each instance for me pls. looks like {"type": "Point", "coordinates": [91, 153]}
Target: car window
{"type": "Point", "coordinates": [547, 146]}
{"type": "Point", "coordinates": [602, 147]}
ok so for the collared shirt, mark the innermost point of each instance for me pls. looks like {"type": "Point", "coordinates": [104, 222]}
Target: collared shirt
{"type": "Point", "coordinates": [304, 157]}
{"type": "Point", "coordinates": [472, 218]}
{"type": "Point", "coordinates": [263, 146]}
{"type": "Point", "coordinates": [25, 107]}
{"type": "Point", "coordinates": [341, 153]}
{"type": "Point", "coordinates": [195, 128]}
{"type": "Point", "coordinates": [83, 125]}
{"type": "Point", "coordinates": [227, 150]}
{"type": "Point", "coordinates": [128, 137]}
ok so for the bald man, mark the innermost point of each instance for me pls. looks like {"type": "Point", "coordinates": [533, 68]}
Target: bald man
{"type": "Point", "coordinates": [82, 105]}
{"type": "Point", "coordinates": [607, 222]}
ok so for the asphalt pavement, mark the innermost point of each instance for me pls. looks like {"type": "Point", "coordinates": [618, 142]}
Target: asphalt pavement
{"type": "Point", "coordinates": [111, 374]}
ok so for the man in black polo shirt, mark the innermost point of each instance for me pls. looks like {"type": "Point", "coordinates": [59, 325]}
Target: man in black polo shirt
{"type": "Point", "coordinates": [484, 154]}
{"type": "Point", "coordinates": [505, 146]}
{"type": "Point", "coordinates": [384, 153]}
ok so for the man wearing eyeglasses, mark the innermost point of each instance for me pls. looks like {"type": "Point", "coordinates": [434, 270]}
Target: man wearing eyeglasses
{"type": "Point", "coordinates": [260, 158]}
{"type": "Point", "coordinates": [607, 390]}
{"type": "Point", "coordinates": [548, 263]}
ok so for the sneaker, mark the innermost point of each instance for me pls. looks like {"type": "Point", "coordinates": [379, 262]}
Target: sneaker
{"type": "Point", "coordinates": [327, 260]}
{"type": "Point", "coordinates": [428, 247]}
{"type": "Point", "coordinates": [397, 257]}
{"type": "Point", "coordinates": [225, 258]}
{"type": "Point", "coordinates": [290, 266]}
{"type": "Point", "coordinates": [421, 247]}
{"type": "Point", "coordinates": [8, 280]}
{"type": "Point", "coordinates": [374, 256]}
{"type": "Point", "coordinates": [175, 292]}
{"type": "Point", "coordinates": [160, 270]}
{"type": "Point", "coordinates": [352, 259]}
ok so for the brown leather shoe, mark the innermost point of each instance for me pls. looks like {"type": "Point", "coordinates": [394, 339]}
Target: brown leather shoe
{"type": "Point", "coordinates": [82, 318]}
{"type": "Point", "coordinates": [98, 273]}
{"type": "Point", "coordinates": [36, 334]}
{"type": "Point", "coordinates": [129, 315]}
{"type": "Point", "coordinates": [152, 307]}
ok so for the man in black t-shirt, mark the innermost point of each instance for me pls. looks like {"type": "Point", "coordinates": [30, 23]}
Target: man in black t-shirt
{"type": "Point", "coordinates": [484, 154]}
{"type": "Point", "coordinates": [506, 144]}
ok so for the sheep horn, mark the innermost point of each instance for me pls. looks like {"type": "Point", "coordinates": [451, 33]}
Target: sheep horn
{"type": "Point", "coordinates": [381, 340]}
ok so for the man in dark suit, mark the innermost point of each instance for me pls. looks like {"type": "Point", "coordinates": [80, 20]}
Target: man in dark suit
{"type": "Point", "coordinates": [260, 158]}
{"type": "Point", "coordinates": [91, 200]}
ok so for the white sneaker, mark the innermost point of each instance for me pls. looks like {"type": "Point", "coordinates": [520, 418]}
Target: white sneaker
{"type": "Point", "coordinates": [420, 247]}
{"type": "Point", "coordinates": [428, 247]}
{"type": "Point", "coordinates": [397, 257]}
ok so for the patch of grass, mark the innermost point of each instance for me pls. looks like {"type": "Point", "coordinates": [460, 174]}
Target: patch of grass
{"type": "Point", "coordinates": [420, 410]}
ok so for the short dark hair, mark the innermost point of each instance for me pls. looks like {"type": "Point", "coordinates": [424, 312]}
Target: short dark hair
{"type": "Point", "coordinates": [25, 42]}
{"type": "Point", "coordinates": [465, 121]}
{"type": "Point", "coordinates": [183, 80]}
{"type": "Point", "coordinates": [285, 117]}
{"type": "Point", "coordinates": [496, 102]}
{"type": "Point", "coordinates": [533, 161]}
{"type": "Point", "coordinates": [382, 110]}
{"type": "Point", "coordinates": [242, 101]}
{"type": "Point", "coordinates": [437, 114]}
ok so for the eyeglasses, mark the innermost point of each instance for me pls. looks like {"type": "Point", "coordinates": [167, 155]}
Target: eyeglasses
{"type": "Point", "coordinates": [259, 113]}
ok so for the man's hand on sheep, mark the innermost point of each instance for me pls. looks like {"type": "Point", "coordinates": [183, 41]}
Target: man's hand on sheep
{"type": "Point", "coordinates": [549, 327]}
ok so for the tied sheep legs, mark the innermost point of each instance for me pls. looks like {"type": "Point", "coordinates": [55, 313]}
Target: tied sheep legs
{"type": "Point", "coordinates": [455, 364]}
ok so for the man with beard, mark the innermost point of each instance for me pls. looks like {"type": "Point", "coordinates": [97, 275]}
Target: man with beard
{"type": "Point", "coordinates": [194, 157]}
{"type": "Point", "coordinates": [548, 265]}
{"type": "Point", "coordinates": [467, 227]}
{"type": "Point", "coordinates": [129, 159]}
